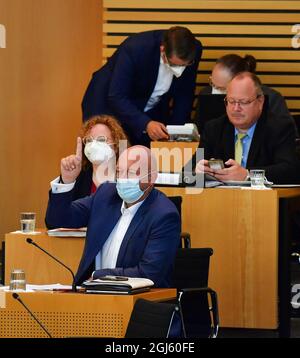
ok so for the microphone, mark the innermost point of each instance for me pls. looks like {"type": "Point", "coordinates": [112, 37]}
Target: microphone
{"type": "Point", "coordinates": [17, 297]}
{"type": "Point", "coordinates": [30, 241]}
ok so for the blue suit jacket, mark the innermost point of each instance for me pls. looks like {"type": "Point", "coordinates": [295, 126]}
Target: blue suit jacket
{"type": "Point", "coordinates": [150, 243]}
{"type": "Point", "coordinates": [123, 86]}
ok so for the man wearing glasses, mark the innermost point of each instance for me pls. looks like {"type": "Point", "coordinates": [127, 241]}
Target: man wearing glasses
{"type": "Point", "coordinates": [148, 83]}
{"type": "Point", "coordinates": [247, 137]}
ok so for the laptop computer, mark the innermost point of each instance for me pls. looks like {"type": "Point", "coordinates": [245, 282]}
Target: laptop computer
{"type": "Point", "coordinates": [209, 106]}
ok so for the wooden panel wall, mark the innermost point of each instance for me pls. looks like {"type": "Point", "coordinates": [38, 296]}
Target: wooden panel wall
{"type": "Point", "coordinates": [260, 28]}
{"type": "Point", "coordinates": [52, 48]}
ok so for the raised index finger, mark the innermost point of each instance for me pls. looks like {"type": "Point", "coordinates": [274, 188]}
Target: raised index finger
{"type": "Point", "coordinates": [79, 149]}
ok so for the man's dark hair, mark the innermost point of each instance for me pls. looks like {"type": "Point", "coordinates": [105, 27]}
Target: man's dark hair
{"type": "Point", "coordinates": [180, 42]}
{"type": "Point", "coordinates": [235, 63]}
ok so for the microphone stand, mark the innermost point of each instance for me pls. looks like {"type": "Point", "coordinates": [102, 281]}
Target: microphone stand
{"type": "Point", "coordinates": [30, 241]}
{"type": "Point", "coordinates": [17, 297]}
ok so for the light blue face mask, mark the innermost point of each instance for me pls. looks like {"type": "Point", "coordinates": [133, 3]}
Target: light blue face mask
{"type": "Point", "coordinates": [129, 189]}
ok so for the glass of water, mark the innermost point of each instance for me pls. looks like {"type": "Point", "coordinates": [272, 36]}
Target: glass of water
{"type": "Point", "coordinates": [27, 222]}
{"type": "Point", "coordinates": [17, 280]}
{"type": "Point", "coordinates": [257, 178]}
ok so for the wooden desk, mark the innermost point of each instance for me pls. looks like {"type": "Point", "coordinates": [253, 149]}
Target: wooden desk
{"type": "Point", "coordinates": [172, 156]}
{"type": "Point", "coordinates": [248, 231]}
{"type": "Point", "coordinates": [40, 268]}
{"type": "Point", "coordinates": [245, 229]}
{"type": "Point", "coordinates": [71, 314]}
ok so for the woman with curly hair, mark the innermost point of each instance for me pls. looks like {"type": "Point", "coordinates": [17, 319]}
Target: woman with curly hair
{"type": "Point", "coordinates": [98, 149]}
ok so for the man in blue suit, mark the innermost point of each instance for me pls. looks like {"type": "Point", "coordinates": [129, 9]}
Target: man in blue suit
{"type": "Point", "coordinates": [149, 72]}
{"type": "Point", "coordinates": [133, 229]}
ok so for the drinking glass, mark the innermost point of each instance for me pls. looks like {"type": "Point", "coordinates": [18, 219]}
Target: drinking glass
{"type": "Point", "coordinates": [27, 222]}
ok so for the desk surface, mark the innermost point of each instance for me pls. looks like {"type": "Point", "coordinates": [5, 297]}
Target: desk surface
{"type": "Point", "coordinates": [71, 314]}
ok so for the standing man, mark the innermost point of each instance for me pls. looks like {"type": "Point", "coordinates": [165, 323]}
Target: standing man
{"type": "Point", "coordinates": [149, 82]}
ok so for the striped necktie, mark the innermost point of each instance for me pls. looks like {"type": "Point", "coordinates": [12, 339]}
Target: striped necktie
{"type": "Point", "coordinates": [239, 147]}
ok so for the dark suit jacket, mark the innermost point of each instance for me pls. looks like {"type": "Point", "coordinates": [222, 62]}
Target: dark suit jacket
{"type": "Point", "coordinates": [273, 147]}
{"type": "Point", "coordinates": [83, 184]}
{"type": "Point", "coordinates": [81, 188]}
{"type": "Point", "coordinates": [123, 86]}
{"type": "Point", "coordinates": [150, 243]}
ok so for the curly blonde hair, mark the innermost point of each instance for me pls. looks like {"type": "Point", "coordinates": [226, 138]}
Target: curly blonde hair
{"type": "Point", "coordinates": [113, 125]}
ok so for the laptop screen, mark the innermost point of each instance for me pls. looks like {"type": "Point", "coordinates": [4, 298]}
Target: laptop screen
{"type": "Point", "coordinates": [209, 106]}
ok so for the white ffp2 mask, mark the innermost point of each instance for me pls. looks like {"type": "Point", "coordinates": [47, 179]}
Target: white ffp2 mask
{"type": "Point", "coordinates": [217, 91]}
{"type": "Point", "coordinates": [176, 70]}
{"type": "Point", "coordinates": [98, 152]}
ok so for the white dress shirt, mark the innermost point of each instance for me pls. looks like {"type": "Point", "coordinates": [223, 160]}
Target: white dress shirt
{"type": "Point", "coordinates": [58, 187]}
{"type": "Point", "coordinates": [163, 83]}
{"type": "Point", "coordinates": [107, 257]}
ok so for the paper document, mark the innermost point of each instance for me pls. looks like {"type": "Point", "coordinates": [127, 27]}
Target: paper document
{"type": "Point", "coordinates": [64, 232]}
{"type": "Point", "coordinates": [25, 233]}
{"type": "Point", "coordinates": [168, 179]}
{"type": "Point", "coordinates": [50, 287]}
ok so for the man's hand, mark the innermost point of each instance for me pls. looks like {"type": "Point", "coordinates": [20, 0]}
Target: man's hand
{"type": "Point", "coordinates": [157, 130]}
{"type": "Point", "coordinates": [202, 167]}
{"type": "Point", "coordinates": [234, 172]}
{"type": "Point", "coordinates": [70, 167]}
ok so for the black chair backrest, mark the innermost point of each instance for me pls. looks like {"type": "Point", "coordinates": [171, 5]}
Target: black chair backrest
{"type": "Point", "coordinates": [150, 319]}
{"type": "Point", "coordinates": [177, 201]}
{"type": "Point", "coordinates": [190, 277]}
{"type": "Point", "coordinates": [185, 237]}
{"type": "Point", "coordinates": [191, 268]}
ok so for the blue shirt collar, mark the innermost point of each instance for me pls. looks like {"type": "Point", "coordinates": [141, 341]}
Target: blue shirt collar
{"type": "Point", "coordinates": [250, 131]}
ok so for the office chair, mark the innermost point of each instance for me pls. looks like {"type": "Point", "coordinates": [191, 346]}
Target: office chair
{"type": "Point", "coordinates": [185, 237]}
{"type": "Point", "coordinates": [150, 319]}
{"type": "Point", "coordinates": [198, 304]}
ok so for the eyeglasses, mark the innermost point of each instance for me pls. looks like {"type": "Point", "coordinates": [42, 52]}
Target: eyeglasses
{"type": "Point", "coordinates": [99, 139]}
{"type": "Point", "coordinates": [223, 89]}
{"type": "Point", "coordinates": [243, 103]}
{"type": "Point", "coordinates": [174, 65]}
